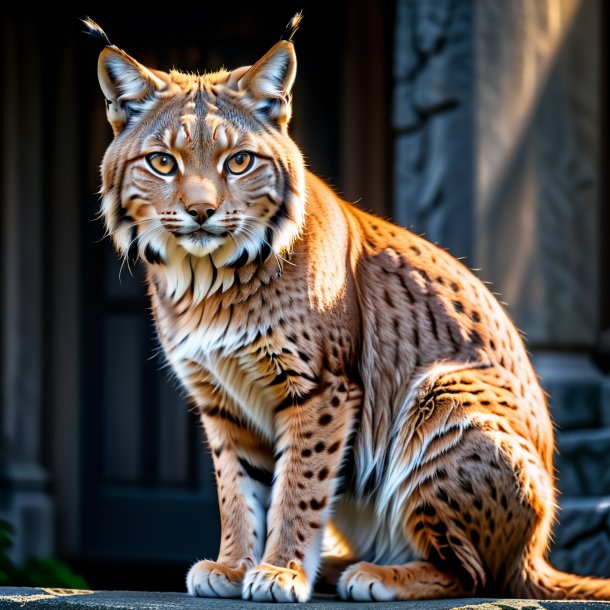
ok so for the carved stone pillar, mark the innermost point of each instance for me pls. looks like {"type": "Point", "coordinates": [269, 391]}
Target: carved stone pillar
{"type": "Point", "coordinates": [434, 121]}
{"type": "Point", "coordinates": [538, 183]}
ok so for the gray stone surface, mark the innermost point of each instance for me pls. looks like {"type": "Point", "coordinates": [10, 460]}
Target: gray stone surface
{"type": "Point", "coordinates": [127, 600]}
{"type": "Point", "coordinates": [578, 393]}
{"type": "Point", "coordinates": [582, 537]}
{"type": "Point", "coordinates": [583, 462]}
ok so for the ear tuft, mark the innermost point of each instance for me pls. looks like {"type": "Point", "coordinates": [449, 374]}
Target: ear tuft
{"type": "Point", "coordinates": [293, 25]}
{"type": "Point", "coordinates": [267, 84]}
{"type": "Point", "coordinates": [93, 29]}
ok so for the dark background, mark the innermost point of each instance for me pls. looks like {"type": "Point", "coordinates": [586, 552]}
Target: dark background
{"type": "Point", "coordinates": [483, 128]}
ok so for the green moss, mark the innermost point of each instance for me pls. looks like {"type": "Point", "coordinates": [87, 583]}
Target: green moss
{"type": "Point", "coordinates": [48, 572]}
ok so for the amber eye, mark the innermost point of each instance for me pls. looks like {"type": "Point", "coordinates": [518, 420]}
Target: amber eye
{"type": "Point", "coordinates": [239, 163]}
{"type": "Point", "coordinates": [162, 163]}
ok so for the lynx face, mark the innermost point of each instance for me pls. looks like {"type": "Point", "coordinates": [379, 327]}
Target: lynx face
{"type": "Point", "coordinates": [201, 165]}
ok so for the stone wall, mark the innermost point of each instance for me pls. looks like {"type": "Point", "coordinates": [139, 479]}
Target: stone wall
{"type": "Point", "coordinates": [537, 180]}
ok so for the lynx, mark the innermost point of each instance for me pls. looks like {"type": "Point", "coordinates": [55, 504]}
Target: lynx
{"type": "Point", "coordinates": [370, 409]}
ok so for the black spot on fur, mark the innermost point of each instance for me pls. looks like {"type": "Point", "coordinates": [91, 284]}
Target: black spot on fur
{"type": "Point", "coordinates": [474, 536]}
{"type": "Point", "coordinates": [467, 486]}
{"type": "Point", "coordinates": [256, 473]}
{"type": "Point", "coordinates": [152, 256]}
{"type": "Point", "coordinates": [317, 504]}
{"type": "Point", "coordinates": [442, 495]}
{"type": "Point", "coordinates": [303, 356]}
{"type": "Point", "coordinates": [429, 510]}
{"type": "Point", "coordinates": [242, 259]}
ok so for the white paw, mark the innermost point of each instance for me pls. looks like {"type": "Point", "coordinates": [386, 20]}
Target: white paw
{"type": "Point", "coordinates": [363, 582]}
{"type": "Point", "coordinates": [268, 583]}
{"type": "Point", "coordinates": [212, 579]}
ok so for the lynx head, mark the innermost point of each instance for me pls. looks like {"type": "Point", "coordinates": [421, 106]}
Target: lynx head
{"type": "Point", "coordinates": [201, 172]}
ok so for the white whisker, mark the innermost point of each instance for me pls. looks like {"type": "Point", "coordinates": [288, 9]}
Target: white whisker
{"type": "Point", "coordinates": [256, 221]}
{"type": "Point", "coordinates": [149, 233]}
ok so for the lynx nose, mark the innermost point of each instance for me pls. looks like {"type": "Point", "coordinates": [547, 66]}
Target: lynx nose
{"type": "Point", "coordinates": [201, 211]}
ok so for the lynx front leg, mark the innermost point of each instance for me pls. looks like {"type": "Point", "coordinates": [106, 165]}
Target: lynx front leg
{"type": "Point", "coordinates": [243, 466]}
{"type": "Point", "coordinates": [311, 439]}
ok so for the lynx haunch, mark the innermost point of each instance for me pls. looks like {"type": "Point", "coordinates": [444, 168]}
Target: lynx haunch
{"type": "Point", "coordinates": [370, 409]}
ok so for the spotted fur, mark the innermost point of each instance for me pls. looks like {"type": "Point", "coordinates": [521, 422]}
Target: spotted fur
{"type": "Point", "coordinates": [353, 379]}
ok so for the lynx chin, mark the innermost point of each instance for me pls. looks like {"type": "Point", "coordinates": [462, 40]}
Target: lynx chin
{"type": "Point", "coordinates": [371, 411]}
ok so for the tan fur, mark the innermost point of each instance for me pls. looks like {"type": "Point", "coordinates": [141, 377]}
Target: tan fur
{"type": "Point", "coordinates": [343, 367]}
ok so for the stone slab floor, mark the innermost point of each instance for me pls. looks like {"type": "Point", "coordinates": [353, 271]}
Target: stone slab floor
{"type": "Point", "coordinates": [13, 597]}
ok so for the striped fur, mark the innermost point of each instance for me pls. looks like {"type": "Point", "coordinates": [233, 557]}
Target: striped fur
{"type": "Point", "coordinates": [351, 377]}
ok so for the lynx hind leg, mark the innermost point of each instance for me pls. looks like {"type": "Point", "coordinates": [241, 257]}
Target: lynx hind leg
{"type": "Point", "coordinates": [470, 503]}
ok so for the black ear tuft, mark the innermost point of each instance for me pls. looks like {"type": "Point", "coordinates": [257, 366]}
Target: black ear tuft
{"type": "Point", "coordinates": [93, 29]}
{"type": "Point", "coordinates": [293, 25]}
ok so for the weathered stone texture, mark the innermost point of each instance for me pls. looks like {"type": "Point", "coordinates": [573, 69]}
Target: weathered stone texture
{"type": "Point", "coordinates": [538, 179]}
{"type": "Point", "coordinates": [433, 121]}
{"type": "Point", "coordinates": [583, 462]}
{"type": "Point", "coordinates": [578, 393]}
{"type": "Point", "coordinates": [582, 537]}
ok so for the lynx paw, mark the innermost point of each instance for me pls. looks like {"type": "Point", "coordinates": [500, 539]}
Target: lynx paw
{"type": "Point", "coordinates": [364, 582]}
{"type": "Point", "coordinates": [212, 579]}
{"type": "Point", "coordinates": [268, 583]}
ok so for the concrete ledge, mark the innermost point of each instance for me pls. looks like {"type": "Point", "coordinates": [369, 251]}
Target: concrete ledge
{"type": "Point", "coordinates": [14, 597]}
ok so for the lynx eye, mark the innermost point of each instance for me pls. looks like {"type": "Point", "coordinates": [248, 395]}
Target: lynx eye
{"type": "Point", "coordinates": [162, 163]}
{"type": "Point", "coordinates": [239, 163]}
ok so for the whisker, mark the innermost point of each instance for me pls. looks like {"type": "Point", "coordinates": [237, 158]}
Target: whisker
{"type": "Point", "coordinates": [135, 223]}
{"type": "Point", "coordinates": [275, 254]}
{"type": "Point", "coordinates": [265, 241]}
{"type": "Point", "coordinates": [149, 233]}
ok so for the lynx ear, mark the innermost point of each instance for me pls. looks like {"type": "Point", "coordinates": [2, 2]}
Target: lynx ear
{"type": "Point", "coordinates": [127, 85]}
{"type": "Point", "coordinates": [267, 84]}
